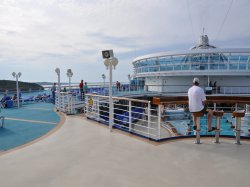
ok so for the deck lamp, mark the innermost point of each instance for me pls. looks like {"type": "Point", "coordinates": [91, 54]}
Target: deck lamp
{"type": "Point", "coordinates": [110, 62]}
{"type": "Point", "coordinates": [57, 70]}
{"type": "Point", "coordinates": [17, 75]}
{"type": "Point", "coordinates": [69, 74]}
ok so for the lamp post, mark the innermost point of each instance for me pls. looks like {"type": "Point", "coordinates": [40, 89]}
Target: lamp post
{"type": "Point", "coordinates": [109, 63]}
{"type": "Point", "coordinates": [129, 79]}
{"type": "Point", "coordinates": [57, 70]}
{"type": "Point", "coordinates": [17, 75]}
{"type": "Point", "coordinates": [69, 74]}
{"type": "Point", "coordinates": [104, 77]}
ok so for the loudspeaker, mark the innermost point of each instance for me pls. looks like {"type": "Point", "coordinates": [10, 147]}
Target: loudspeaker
{"type": "Point", "coordinates": [107, 54]}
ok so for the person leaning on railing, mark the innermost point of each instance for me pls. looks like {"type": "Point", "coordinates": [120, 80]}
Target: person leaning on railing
{"type": "Point", "coordinates": [197, 103]}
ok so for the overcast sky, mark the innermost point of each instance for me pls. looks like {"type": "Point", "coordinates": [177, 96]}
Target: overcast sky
{"type": "Point", "coordinates": [37, 36]}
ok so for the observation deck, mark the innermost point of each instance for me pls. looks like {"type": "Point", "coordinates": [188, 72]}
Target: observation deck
{"type": "Point", "coordinates": [199, 60]}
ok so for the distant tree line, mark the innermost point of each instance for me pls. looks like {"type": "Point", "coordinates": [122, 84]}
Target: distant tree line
{"type": "Point", "coordinates": [23, 86]}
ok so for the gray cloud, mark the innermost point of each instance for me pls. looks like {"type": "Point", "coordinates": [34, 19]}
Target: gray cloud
{"type": "Point", "coordinates": [43, 35]}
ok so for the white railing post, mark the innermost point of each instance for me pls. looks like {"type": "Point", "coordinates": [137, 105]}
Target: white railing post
{"type": "Point", "coordinates": [87, 104]}
{"type": "Point", "coordinates": [214, 106]}
{"type": "Point", "coordinates": [159, 121]}
{"type": "Point", "coordinates": [70, 105]}
{"type": "Point", "coordinates": [98, 107]}
{"type": "Point", "coordinates": [149, 118]}
{"type": "Point", "coordinates": [130, 115]}
{"type": "Point", "coordinates": [62, 102]}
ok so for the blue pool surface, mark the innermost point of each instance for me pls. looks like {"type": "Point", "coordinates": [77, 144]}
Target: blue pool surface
{"type": "Point", "coordinates": [26, 124]}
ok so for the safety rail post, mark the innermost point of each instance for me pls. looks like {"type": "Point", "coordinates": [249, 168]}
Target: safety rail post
{"type": "Point", "coordinates": [70, 105]}
{"type": "Point", "coordinates": [87, 104]}
{"type": "Point", "coordinates": [218, 115]}
{"type": "Point", "coordinates": [62, 102]}
{"type": "Point", "coordinates": [159, 121]}
{"type": "Point", "coordinates": [238, 115]}
{"type": "Point", "coordinates": [130, 115]}
{"type": "Point", "coordinates": [98, 107]}
{"type": "Point", "coordinates": [149, 118]}
{"type": "Point", "coordinates": [56, 100]}
{"type": "Point", "coordinates": [198, 115]}
{"type": "Point", "coordinates": [71, 102]}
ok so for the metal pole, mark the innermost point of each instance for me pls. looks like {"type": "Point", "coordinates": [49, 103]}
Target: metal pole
{"type": "Point", "coordinates": [217, 131]}
{"type": "Point", "coordinates": [198, 129]}
{"type": "Point", "coordinates": [69, 83]}
{"type": "Point", "coordinates": [237, 130]}
{"type": "Point", "coordinates": [159, 121]}
{"type": "Point", "coordinates": [130, 115]}
{"type": "Point", "coordinates": [58, 92]}
{"type": "Point", "coordinates": [98, 108]}
{"type": "Point", "coordinates": [149, 118]}
{"type": "Point", "coordinates": [17, 91]}
{"type": "Point", "coordinates": [110, 98]}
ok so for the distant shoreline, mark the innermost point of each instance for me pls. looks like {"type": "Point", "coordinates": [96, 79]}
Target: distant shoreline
{"type": "Point", "coordinates": [23, 86]}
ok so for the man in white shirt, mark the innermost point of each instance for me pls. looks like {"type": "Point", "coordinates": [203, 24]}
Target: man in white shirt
{"type": "Point", "coordinates": [197, 101]}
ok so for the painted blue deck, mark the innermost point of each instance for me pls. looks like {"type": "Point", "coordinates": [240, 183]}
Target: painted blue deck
{"type": "Point", "coordinates": [17, 131]}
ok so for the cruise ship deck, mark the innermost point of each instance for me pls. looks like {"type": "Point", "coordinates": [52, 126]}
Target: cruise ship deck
{"type": "Point", "coordinates": [84, 153]}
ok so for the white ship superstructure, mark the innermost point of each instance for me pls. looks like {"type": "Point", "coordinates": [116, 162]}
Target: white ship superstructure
{"type": "Point", "coordinates": [226, 69]}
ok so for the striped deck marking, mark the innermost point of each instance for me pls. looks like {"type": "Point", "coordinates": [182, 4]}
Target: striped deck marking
{"type": "Point", "coordinates": [31, 121]}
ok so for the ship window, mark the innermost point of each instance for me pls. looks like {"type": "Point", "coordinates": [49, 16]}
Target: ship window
{"type": "Point", "coordinates": [234, 58]}
{"type": "Point", "coordinates": [185, 67]}
{"type": "Point", "coordinates": [242, 66]}
{"type": "Point", "coordinates": [222, 66]}
{"type": "Point", "coordinates": [177, 67]}
{"type": "Point", "coordinates": [233, 66]}
{"type": "Point", "coordinates": [243, 58]}
{"type": "Point", "coordinates": [214, 66]}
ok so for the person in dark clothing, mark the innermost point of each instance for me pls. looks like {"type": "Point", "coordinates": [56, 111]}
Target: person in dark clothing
{"type": "Point", "coordinates": [81, 88]}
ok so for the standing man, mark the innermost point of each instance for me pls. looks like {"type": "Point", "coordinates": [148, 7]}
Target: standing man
{"type": "Point", "coordinates": [81, 88]}
{"type": "Point", "coordinates": [85, 89]}
{"type": "Point", "coordinates": [53, 90]}
{"type": "Point", "coordinates": [197, 101]}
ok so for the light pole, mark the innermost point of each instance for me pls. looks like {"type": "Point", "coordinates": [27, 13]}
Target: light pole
{"type": "Point", "coordinates": [109, 63]}
{"type": "Point", "coordinates": [69, 74]}
{"type": "Point", "coordinates": [57, 70]}
{"type": "Point", "coordinates": [17, 75]}
{"type": "Point", "coordinates": [129, 79]}
{"type": "Point", "coordinates": [104, 77]}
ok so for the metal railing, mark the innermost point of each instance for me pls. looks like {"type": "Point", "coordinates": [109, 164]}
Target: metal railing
{"type": "Point", "coordinates": [131, 115]}
{"type": "Point", "coordinates": [69, 102]}
{"type": "Point", "coordinates": [158, 122]}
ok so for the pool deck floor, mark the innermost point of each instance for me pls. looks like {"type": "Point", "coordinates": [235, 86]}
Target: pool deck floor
{"type": "Point", "coordinates": [83, 153]}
